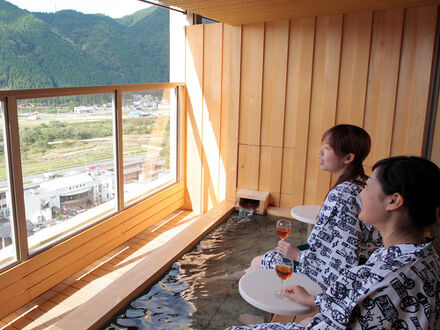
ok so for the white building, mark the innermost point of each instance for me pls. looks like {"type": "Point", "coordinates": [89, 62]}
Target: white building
{"type": "Point", "coordinates": [66, 195]}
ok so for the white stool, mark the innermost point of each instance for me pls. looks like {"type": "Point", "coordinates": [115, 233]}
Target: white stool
{"type": "Point", "coordinates": [307, 214]}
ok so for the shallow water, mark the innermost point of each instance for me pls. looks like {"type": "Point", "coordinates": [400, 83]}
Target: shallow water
{"type": "Point", "coordinates": [190, 296]}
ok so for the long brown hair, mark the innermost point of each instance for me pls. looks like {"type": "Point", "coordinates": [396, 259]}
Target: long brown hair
{"type": "Point", "coordinates": [345, 139]}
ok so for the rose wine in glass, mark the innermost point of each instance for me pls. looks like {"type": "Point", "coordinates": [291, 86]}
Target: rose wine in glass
{"type": "Point", "coordinates": [283, 268]}
{"type": "Point", "coordinates": [283, 228]}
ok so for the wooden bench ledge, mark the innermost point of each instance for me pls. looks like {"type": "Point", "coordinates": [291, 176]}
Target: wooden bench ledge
{"type": "Point", "coordinates": [102, 306]}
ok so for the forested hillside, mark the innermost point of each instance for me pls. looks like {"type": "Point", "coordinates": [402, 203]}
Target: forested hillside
{"type": "Point", "coordinates": [68, 48]}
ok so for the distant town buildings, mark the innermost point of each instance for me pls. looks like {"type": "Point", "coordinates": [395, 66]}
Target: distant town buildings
{"type": "Point", "coordinates": [143, 106]}
{"type": "Point", "coordinates": [67, 196]}
{"type": "Point", "coordinates": [60, 198]}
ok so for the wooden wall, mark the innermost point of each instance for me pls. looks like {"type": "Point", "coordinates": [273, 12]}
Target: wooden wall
{"type": "Point", "coordinates": [212, 80]}
{"type": "Point", "coordinates": [259, 97]}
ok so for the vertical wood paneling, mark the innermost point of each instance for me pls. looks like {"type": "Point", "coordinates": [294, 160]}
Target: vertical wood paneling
{"type": "Point", "coordinates": [270, 171]}
{"type": "Point", "coordinates": [248, 166]}
{"type": "Point", "coordinates": [354, 68]}
{"type": "Point", "coordinates": [212, 90]}
{"type": "Point", "coordinates": [414, 78]}
{"type": "Point", "coordinates": [299, 87]}
{"type": "Point", "coordinates": [353, 74]}
{"type": "Point", "coordinates": [251, 83]}
{"type": "Point", "coordinates": [382, 81]}
{"type": "Point", "coordinates": [230, 111]}
{"type": "Point", "coordinates": [283, 84]}
{"type": "Point", "coordinates": [194, 83]}
{"type": "Point", "coordinates": [323, 105]}
{"type": "Point", "coordinates": [274, 83]}
{"type": "Point", "coordinates": [290, 190]}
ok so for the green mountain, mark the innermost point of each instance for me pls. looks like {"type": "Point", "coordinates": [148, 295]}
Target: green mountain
{"type": "Point", "coordinates": [68, 48]}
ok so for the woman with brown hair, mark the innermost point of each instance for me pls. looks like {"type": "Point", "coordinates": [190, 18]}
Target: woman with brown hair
{"type": "Point", "coordinates": [338, 240]}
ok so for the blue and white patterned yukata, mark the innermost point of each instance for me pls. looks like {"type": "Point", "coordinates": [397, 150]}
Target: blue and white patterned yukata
{"type": "Point", "coordinates": [339, 240]}
{"type": "Point", "coordinates": [397, 288]}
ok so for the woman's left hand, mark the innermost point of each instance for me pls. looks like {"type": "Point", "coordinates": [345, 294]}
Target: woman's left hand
{"type": "Point", "coordinates": [299, 294]}
{"type": "Point", "coordinates": [288, 250]}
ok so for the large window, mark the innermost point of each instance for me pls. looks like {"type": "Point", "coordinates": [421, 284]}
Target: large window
{"type": "Point", "coordinates": [73, 169]}
{"type": "Point", "coordinates": [77, 155]}
{"type": "Point", "coordinates": [67, 156]}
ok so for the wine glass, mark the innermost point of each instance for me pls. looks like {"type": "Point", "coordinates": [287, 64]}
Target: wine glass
{"type": "Point", "coordinates": [283, 228]}
{"type": "Point", "coordinates": [283, 268]}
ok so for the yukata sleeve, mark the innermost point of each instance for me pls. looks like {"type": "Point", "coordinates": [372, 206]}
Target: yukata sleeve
{"type": "Point", "coordinates": [335, 306]}
{"type": "Point", "coordinates": [382, 308]}
{"type": "Point", "coordinates": [336, 229]}
{"type": "Point", "coordinates": [347, 209]}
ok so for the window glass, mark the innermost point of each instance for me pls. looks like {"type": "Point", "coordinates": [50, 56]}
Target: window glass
{"type": "Point", "coordinates": [7, 239]}
{"type": "Point", "coordinates": [149, 141]}
{"type": "Point", "coordinates": [67, 155]}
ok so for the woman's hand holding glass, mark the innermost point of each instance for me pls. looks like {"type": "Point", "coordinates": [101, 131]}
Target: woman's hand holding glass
{"type": "Point", "coordinates": [299, 294]}
{"type": "Point", "coordinates": [288, 250]}
{"type": "Point", "coordinates": [284, 269]}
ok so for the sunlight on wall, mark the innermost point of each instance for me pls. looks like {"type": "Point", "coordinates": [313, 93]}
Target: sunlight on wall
{"type": "Point", "coordinates": [194, 65]}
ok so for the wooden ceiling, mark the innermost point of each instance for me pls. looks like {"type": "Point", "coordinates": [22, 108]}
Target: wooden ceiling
{"type": "Point", "coordinates": [236, 12]}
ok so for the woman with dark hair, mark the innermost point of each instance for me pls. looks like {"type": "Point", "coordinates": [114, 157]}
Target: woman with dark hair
{"type": "Point", "coordinates": [338, 240]}
{"type": "Point", "coordinates": [399, 285]}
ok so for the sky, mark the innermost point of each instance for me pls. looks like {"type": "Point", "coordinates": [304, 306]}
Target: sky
{"type": "Point", "coordinates": [112, 8]}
